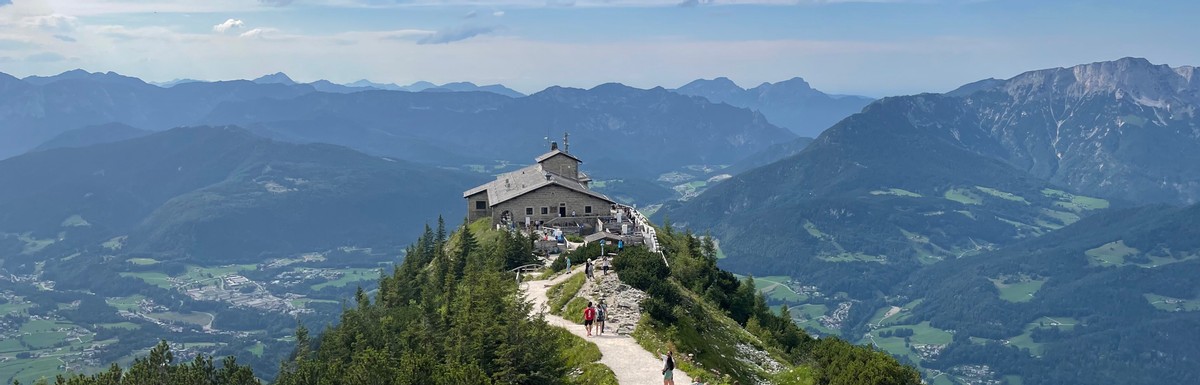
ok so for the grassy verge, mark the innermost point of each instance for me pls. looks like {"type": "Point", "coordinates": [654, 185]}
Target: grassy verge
{"type": "Point", "coordinates": [712, 337]}
{"type": "Point", "coordinates": [559, 295]}
{"type": "Point", "coordinates": [582, 355]}
{"type": "Point", "coordinates": [574, 310]}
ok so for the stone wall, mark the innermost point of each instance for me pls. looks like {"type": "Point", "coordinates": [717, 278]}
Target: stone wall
{"type": "Point", "coordinates": [551, 197]}
{"type": "Point", "coordinates": [472, 213]}
{"type": "Point", "coordinates": [562, 165]}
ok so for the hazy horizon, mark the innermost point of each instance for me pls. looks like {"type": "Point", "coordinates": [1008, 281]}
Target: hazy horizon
{"type": "Point", "coordinates": [871, 48]}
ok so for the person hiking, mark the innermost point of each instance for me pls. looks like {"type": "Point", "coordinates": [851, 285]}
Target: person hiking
{"type": "Point", "coordinates": [669, 368]}
{"type": "Point", "coordinates": [589, 316]}
{"type": "Point", "coordinates": [587, 270]}
{"type": "Point", "coordinates": [601, 315]}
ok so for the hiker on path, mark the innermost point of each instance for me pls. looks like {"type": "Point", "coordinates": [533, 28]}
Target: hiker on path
{"type": "Point", "coordinates": [589, 317]}
{"type": "Point", "coordinates": [669, 369]}
{"type": "Point", "coordinates": [587, 270]}
{"type": "Point", "coordinates": [605, 264]}
{"type": "Point", "coordinates": [601, 315]}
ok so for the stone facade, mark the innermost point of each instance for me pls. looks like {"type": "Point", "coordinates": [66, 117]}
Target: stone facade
{"type": "Point", "coordinates": [553, 188]}
{"type": "Point", "coordinates": [562, 165]}
{"type": "Point", "coordinates": [474, 212]}
{"type": "Point", "coordinates": [555, 200]}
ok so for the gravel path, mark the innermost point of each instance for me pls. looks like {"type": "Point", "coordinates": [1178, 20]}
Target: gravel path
{"type": "Point", "coordinates": [632, 364]}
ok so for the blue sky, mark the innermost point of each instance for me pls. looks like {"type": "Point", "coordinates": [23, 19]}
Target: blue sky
{"type": "Point", "coordinates": [876, 48]}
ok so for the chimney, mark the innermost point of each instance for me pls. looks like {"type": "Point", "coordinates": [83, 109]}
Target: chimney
{"type": "Point", "coordinates": [553, 146]}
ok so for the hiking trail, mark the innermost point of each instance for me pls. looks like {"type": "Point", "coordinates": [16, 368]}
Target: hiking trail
{"type": "Point", "coordinates": [632, 364]}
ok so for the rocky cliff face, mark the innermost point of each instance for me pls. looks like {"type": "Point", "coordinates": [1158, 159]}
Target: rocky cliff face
{"type": "Point", "coordinates": [1105, 128]}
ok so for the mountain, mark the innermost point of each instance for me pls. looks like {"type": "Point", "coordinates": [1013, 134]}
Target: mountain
{"type": "Point", "coordinates": [424, 86]}
{"type": "Point", "coordinates": [791, 103]}
{"type": "Point", "coordinates": [971, 233]}
{"type": "Point", "coordinates": [31, 114]}
{"type": "Point", "coordinates": [107, 77]}
{"type": "Point", "coordinates": [419, 86]}
{"type": "Point", "coordinates": [612, 126]}
{"type": "Point", "coordinates": [328, 86]}
{"type": "Point", "coordinates": [919, 169]}
{"type": "Point", "coordinates": [1124, 129]}
{"type": "Point", "coordinates": [769, 155]}
{"type": "Point", "coordinates": [364, 83]}
{"type": "Point", "coordinates": [217, 195]}
{"type": "Point", "coordinates": [275, 78]}
{"type": "Point", "coordinates": [35, 110]}
{"type": "Point", "coordinates": [87, 136]}
{"type": "Point", "coordinates": [874, 198]}
{"type": "Point", "coordinates": [471, 87]}
{"type": "Point", "coordinates": [1108, 299]}
{"type": "Point", "coordinates": [172, 83]}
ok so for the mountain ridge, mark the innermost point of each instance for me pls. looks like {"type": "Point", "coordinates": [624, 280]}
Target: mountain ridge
{"type": "Point", "coordinates": [200, 192]}
{"type": "Point", "coordinates": [791, 103]}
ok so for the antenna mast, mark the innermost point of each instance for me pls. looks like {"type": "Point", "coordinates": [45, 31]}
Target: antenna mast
{"type": "Point", "coordinates": [566, 142]}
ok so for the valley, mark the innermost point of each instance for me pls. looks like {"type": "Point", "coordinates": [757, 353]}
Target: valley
{"type": "Point", "coordinates": [45, 331]}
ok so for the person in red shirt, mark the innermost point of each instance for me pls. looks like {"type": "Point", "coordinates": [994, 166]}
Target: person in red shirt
{"type": "Point", "coordinates": [589, 317]}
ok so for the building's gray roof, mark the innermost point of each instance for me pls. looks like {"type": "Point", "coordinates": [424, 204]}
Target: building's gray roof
{"type": "Point", "coordinates": [552, 153]}
{"type": "Point", "coordinates": [520, 182]}
{"type": "Point", "coordinates": [602, 235]}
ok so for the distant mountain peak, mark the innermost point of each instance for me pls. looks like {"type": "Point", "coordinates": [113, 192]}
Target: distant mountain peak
{"type": "Point", "coordinates": [791, 103]}
{"type": "Point", "coordinates": [420, 85]}
{"type": "Point", "coordinates": [77, 74]}
{"type": "Point", "coordinates": [275, 78]}
{"type": "Point", "coordinates": [719, 84]}
{"type": "Point", "coordinates": [796, 83]}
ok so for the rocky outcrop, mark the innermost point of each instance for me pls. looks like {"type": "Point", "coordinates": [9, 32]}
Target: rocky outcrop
{"type": "Point", "coordinates": [624, 309]}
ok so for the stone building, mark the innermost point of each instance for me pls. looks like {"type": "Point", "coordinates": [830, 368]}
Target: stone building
{"type": "Point", "coordinates": [551, 192]}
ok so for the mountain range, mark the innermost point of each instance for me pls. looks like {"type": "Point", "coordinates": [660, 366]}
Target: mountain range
{"type": "Point", "coordinates": [366, 85]}
{"type": "Point", "coordinates": [792, 103]}
{"type": "Point", "coordinates": [615, 127]}
{"type": "Point", "coordinates": [213, 195]}
{"type": "Point", "coordinates": [1015, 224]}
{"type": "Point", "coordinates": [618, 130]}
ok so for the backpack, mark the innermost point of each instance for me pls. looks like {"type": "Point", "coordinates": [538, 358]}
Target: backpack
{"type": "Point", "coordinates": [600, 312]}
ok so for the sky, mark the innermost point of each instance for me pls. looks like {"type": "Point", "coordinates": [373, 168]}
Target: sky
{"type": "Point", "coordinates": [864, 47]}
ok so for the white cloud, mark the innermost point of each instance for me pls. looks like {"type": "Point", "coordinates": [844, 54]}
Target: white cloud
{"type": "Point", "coordinates": [228, 25]}
{"type": "Point", "coordinates": [498, 13]}
{"type": "Point", "coordinates": [450, 35]}
{"type": "Point", "coordinates": [257, 33]}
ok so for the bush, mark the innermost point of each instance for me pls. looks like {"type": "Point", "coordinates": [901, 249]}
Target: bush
{"type": "Point", "coordinates": [659, 310]}
{"type": "Point", "coordinates": [640, 268]}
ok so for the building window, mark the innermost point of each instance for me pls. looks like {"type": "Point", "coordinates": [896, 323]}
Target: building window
{"type": "Point", "coordinates": [481, 205]}
{"type": "Point", "coordinates": [545, 210]}
{"type": "Point", "coordinates": [587, 209]}
{"type": "Point", "coordinates": [529, 211]}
